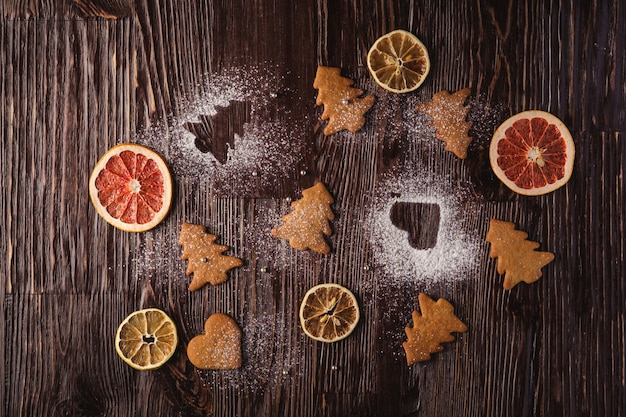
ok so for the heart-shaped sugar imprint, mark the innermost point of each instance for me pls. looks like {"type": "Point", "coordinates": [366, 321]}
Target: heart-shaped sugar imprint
{"type": "Point", "coordinates": [219, 347]}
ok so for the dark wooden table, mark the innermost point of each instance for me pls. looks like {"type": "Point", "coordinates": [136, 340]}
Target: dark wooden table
{"type": "Point", "coordinates": [79, 77]}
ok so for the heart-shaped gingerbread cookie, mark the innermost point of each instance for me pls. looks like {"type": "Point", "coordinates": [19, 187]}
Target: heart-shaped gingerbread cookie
{"type": "Point", "coordinates": [220, 345]}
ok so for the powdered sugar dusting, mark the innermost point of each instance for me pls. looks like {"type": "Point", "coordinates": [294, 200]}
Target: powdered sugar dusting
{"type": "Point", "coordinates": [458, 246]}
{"type": "Point", "coordinates": [268, 152]}
{"type": "Point", "coordinates": [267, 356]}
{"type": "Point", "coordinates": [456, 249]}
{"type": "Point", "coordinates": [270, 146]}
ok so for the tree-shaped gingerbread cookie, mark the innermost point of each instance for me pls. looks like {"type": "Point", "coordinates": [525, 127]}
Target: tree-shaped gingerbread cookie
{"type": "Point", "coordinates": [448, 113]}
{"type": "Point", "coordinates": [517, 257]}
{"type": "Point", "coordinates": [306, 226]}
{"type": "Point", "coordinates": [343, 105]}
{"type": "Point", "coordinates": [431, 328]}
{"type": "Point", "coordinates": [206, 262]}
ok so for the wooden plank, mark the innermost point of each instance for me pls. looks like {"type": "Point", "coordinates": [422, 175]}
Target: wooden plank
{"type": "Point", "coordinates": [592, 321]}
{"type": "Point", "coordinates": [75, 82]}
{"type": "Point", "coordinates": [66, 362]}
{"type": "Point", "coordinates": [560, 59]}
{"type": "Point", "coordinates": [54, 135]}
{"type": "Point", "coordinates": [34, 9]}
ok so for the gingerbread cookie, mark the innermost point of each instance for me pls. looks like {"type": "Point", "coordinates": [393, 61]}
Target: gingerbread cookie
{"type": "Point", "coordinates": [344, 108]}
{"type": "Point", "coordinates": [448, 114]}
{"type": "Point", "coordinates": [306, 226]}
{"type": "Point", "coordinates": [517, 257]}
{"type": "Point", "coordinates": [219, 348]}
{"type": "Point", "coordinates": [430, 328]}
{"type": "Point", "coordinates": [206, 262]}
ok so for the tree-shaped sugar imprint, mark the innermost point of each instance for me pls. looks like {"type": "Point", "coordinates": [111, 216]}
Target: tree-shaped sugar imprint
{"type": "Point", "coordinates": [308, 223]}
{"type": "Point", "coordinates": [216, 133]}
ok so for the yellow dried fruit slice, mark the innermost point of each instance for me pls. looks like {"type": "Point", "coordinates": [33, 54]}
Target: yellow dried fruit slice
{"type": "Point", "coordinates": [329, 312]}
{"type": "Point", "coordinates": [146, 339]}
{"type": "Point", "coordinates": [398, 61]}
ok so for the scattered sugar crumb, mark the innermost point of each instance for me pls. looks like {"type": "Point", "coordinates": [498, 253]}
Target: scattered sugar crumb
{"type": "Point", "coordinates": [268, 359]}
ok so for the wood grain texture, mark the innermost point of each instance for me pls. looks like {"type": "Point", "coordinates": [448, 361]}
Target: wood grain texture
{"type": "Point", "coordinates": [77, 77]}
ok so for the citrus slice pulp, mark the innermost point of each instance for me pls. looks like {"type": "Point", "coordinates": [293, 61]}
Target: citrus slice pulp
{"type": "Point", "coordinates": [398, 61]}
{"type": "Point", "coordinates": [532, 153]}
{"type": "Point", "coordinates": [146, 339]}
{"type": "Point", "coordinates": [329, 312]}
{"type": "Point", "coordinates": [131, 187]}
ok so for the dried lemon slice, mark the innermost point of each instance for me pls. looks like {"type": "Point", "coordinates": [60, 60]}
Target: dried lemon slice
{"type": "Point", "coordinates": [329, 312]}
{"type": "Point", "coordinates": [398, 61]}
{"type": "Point", "coordinates": [146, 339]}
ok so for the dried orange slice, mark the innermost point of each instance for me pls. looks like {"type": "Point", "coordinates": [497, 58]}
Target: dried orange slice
{"type": "Point", "coordinates": [329, 312]}
{"type": "Point", "coordinates": [398, 61]}
{"type": "Point", "coordinates": [131, 187]}
{"type": "Point", "coordinates": [146, 339]}
{"type": "Point", "coordinates": [532, 153]}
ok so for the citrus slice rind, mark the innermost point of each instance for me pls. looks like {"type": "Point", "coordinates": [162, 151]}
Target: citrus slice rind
{"type": "Point", "coordinates": [532, 153]}
{"type": "Point", "coordinates": [398, 61]}
{"type": "Point", "coordinates": [131, 187]}
{"type": "Point", "coordinates": [329, 313]}
{"type": "Point", "coordinates": [146, 339]}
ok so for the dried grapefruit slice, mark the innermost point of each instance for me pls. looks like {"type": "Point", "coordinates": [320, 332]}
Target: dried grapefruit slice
{"type": "Point", "coordinates": [329, 312]}
{"type": "Point", "coordinates": [532, 153]}
{"type": "Point", "coordinates": [131, 187]}
{"type": "Point", "coordinates": [146, 339]}
{"type": "Point", "coordinates": [398, 61]}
